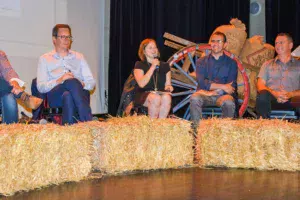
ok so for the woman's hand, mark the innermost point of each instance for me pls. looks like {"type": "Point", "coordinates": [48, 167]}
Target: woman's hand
{"type": "Point", "coordinates": [155, 62]}
{"type": "Point", "coordinates": [169, 88]}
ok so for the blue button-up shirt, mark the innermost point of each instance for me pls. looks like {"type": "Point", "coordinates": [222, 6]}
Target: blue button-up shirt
{"type": "Point", "coordinates": [221, 71]}
{"type": "Point", "coordinates": [51, 67]}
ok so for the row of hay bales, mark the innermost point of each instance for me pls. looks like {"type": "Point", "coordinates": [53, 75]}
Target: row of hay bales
{"type": "Point", "coordinates": [34, 156]}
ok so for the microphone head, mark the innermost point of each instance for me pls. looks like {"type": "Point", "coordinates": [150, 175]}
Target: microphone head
{"type": "Point", "coordinates": [95, 118]}
{"type": "Point", "coordinates": [43, 121]}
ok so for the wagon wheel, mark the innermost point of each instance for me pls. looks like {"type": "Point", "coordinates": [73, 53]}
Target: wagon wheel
{"type": "Point", "coordinates": [183, 78]}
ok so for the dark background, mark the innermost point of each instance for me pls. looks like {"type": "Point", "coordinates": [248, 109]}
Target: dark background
{"type": "Point", "coordinates": [131, 21]}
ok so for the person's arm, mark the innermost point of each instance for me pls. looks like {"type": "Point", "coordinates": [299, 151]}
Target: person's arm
{"type": "Point", "coordinates": [201, 75]}
{"type": "Point", "coordinates": [6, 69]}
{"type": "Point", "coordinates": [10, 74]}
{"type": "Point", "coordinates": [233, 73]}
{"type": "Point", "coordinates": [168, 85]}
{"type": "Point", "coordinates": [143, 79]}
{"type": "Point", "coordinates": [43, 85]}
{"type": "Point", "coordinates": [88, 79]}
{"type": "Point", "coordinates": [262, 78]}
{"type": "Point", "coordinates": [231, 84]}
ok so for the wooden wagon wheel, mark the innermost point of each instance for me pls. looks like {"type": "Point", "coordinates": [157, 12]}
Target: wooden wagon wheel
{"type": "Point", "coordinates": [183, 67]}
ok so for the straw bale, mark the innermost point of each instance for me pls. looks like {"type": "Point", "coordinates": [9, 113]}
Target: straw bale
{"type": "Point", "coordinates": [140, 143]}
{"type": "Point", "coordinates": [255, 52]}
{"type": "Point", "coordinates": [236, 35]}
{"type": "Point", "coordinates": [34, 156]}
{"type": "Point", "coordinates": [260, 144]}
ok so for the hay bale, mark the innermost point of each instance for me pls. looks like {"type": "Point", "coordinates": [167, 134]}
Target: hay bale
{"type": "Point", "coordinates": [34, 156]}
{"type": "Point", "coordinates": [260, 144]}
{"type": "Point", "coordinates": [141, 143]}
{"type": "Point", "coordinates": [255, 52]}
{"type": "Point", "coordinates": [236, 35]}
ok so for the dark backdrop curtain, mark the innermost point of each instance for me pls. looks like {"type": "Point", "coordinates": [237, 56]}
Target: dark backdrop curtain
{"type": "Point", "coordinates": [131, 21]}
{"type": "Point", "coordinates": [283, 16]}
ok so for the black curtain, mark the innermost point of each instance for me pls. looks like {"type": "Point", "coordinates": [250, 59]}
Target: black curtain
{"type": "Point", "coordinates": [283, 16]}
{"type": "Point", "coordinates": [131, 21]}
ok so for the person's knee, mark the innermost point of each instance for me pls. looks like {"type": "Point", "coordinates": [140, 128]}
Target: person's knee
{"type": "Point", "coordinates": [9, 109]}
{"type": "Point", "coordinates": [196, 100]}
{"type": "Point", "coordinates": [166, 99]}
{"type": "Point", "coordinates": [73, 82]}
{"type": "Point", "coordinates": [67, 97]}
{"type": "Point", "coordinates": [228, 104]}
{"type": "Point", "coordinates": [9, 101]}
{"type": "Point", "coordinates": [154, 100]}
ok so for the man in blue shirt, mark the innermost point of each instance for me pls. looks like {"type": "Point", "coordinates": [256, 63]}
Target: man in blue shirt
{"type": "Point", "coordinates": [66, 77]}
{"type": "Point", "coordinates": [216, 76]}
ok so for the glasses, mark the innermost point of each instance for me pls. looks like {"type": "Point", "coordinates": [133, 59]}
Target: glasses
{"type": "Point", "coordinates": [280, 42]}
{"type": "Point", "coordinates": [65, 37]}
{"type": "Point", "coordinates": [216, 41]}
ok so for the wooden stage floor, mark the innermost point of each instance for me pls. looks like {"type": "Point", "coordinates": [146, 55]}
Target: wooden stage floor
{"type": "Point", "coordinates": [181, 184]}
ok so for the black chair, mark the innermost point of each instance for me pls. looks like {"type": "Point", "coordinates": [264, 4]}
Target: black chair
{"type": "Point", "coordinates": [284, 114]}
{"type": "Point", "coordinates": [208, 112]}
{"type": "Point", "coordinates": [44, 111]}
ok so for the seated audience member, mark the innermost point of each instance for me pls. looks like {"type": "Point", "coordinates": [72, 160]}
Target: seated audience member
{"type": "Point", "coordinates": [66, 78]}
{"type": "Point", "coordinates": [216, 75]}
{"type": "Point", "coordinates": [154, 81]}
{"type": "Point", "coordinates": [278, 82]}
{"type": "Point", "coordinates": [10, 90]}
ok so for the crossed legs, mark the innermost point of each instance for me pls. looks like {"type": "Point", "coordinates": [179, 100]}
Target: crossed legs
{"type": "Point", "coordinates": [73, 99]}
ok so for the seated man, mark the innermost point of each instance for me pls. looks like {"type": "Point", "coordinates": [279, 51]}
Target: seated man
{"type": "Point", "coordinates": [278, 82]}
{"type": "Point", "coordinates": [66, 77]}
{"type": "Point", "coordinates": [216, 76]}
{"type": "Point", "coordinates": [10, 89]}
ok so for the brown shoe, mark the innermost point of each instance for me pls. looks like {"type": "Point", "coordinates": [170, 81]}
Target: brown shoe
{"type": "Point", "coordinates": [31, 101]}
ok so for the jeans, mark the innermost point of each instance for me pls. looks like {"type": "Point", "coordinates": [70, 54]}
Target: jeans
{"type": "Point", "coordinates": [265, 102]}
{"type": "Point", "coordinates": [9, 106]}
{"type": "Point", "coordinates": [73, 99]}
{"type": "Point", "coordinates": [198, 101]}
{"type": "Point", "coordinates": [9, 109]}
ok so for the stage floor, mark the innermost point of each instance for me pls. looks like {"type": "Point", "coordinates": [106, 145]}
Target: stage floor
{"type": "Point", "coordinates": [181, 184]}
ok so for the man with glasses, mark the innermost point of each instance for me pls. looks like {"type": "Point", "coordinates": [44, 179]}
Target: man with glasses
{"type": "Point", "coordinates": [66, 77]}
{"type": "Point", "coordinates": [216, 75]}
{"type": "Point", "coordinates": [278, 82]}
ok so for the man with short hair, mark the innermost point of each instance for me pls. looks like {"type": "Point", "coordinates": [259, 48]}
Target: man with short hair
{"type": "Point", "coordinates": [66, 77]}
{"type": "Point", "coordinates": [278, 82]}
{"type": "Point", "coordinates": [216, 75]}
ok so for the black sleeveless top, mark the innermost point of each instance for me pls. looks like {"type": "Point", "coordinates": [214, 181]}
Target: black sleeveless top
{"type": "Point", "coordinates": [164, 68]}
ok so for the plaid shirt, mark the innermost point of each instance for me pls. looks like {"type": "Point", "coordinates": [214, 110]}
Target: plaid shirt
{"type": "Point", "coordinates": [279, 75]}
{"type": "Point", "coordinates": [6, 70]}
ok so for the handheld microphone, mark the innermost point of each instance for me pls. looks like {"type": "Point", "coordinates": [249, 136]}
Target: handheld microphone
{"type": "Point", "coordinates": [157, 66]}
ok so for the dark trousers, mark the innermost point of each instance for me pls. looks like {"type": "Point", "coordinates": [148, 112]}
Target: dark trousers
{"type": "Point", "coordinates": [8, 103]}
{"type": "Point", "coordinates": [37, 114]}
{"type": "Point", "coordinates": [265, 102]}
{"type": "Point", "coordinates": [73, 99]}
{"type": "Point", "coordinates": [5, 87]}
